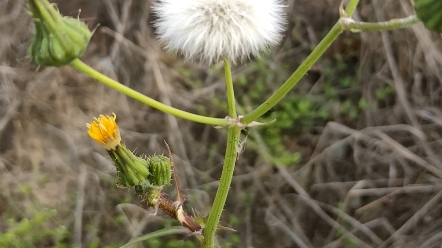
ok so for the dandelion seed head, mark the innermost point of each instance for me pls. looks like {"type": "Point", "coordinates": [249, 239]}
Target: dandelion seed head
{"type": "Point", "coordinates": [212, 30]}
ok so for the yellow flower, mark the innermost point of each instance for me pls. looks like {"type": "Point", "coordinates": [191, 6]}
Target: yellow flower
{"type": "Point", "coordinates": [105, 131]}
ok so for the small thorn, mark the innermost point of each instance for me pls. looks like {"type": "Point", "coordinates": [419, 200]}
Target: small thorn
{"type": "Point", "coordinates": [179, 195]}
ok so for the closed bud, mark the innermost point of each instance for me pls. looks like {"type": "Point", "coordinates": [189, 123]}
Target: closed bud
{"type": "Point", "coordinates": [58, 40]}
{"type": "Point", "coordinates": [131, 169]}
{"type": "Point", "coordinates": [430, 13]}
{"type": "Point", "coordinates": [152, 197]}
{"type": "Point", "coordinates": [160, 170]}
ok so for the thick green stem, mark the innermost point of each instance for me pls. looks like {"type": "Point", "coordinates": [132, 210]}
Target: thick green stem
{"type": "Point", "coordinates": [82, 67]}
{"type": "Point", "coordinates": [351, 7]}
{"type": "Point", "coordinates": [349, 24]}
{"type": "Point", "coordinates": [223, 189]}
{"type": "Point", "coordinates": [228, 167]}
{"type": "Point", "coordinates": [302, 69]}
{"type": "Point", "coordinates": [230, 92]}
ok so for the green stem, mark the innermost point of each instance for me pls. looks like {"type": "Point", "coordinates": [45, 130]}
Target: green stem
{"type": "Point", "coordinates": [348, 24]}
{"type": "Point", "coordinates": [230, 157]}
{"type": "Point", "coordinates": [48, 14]}
{"type": "Point", "coordinates": [230, 92]}
{"type": "Point", "coordinates": [223, 189]}
{"type": "Point", "coordinates": [295, 77]}
{"type": "Point", "coordinates": [302, 69]}
{"type": "Point", "coordinates": [351, 7]}
{"type": "Point", "coordinates": [51, 18]}
{"type": "Point", "coordinates": [82, 67]}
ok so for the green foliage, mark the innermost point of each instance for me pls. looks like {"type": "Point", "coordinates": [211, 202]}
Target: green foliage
{"type": "Point", "coordinates": [120, 218]}
{"type": "Point", "coordinates": [34, 232]}
{"type": "Point", "coordinates": [382, 94]}
{"type": "Point", "coordinates": [233, 220]}
{"type": "Point", "coordinates": [95, 243]}
{"type": "Point", "coordinates": [232, 241]}
{"type": "Point", "coordinates": [430, 13]}
{"type": "Point", "coordinates": [300, 111]}
{"type": "Point", "coordinates": [25, 189]}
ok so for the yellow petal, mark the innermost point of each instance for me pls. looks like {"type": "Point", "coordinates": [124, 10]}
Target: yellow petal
{"type": "Point", "coordinates": [105, 131]}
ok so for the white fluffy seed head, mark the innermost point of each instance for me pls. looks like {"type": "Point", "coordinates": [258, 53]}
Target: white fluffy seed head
{"type": "Point", "coordinates": [210, 30]}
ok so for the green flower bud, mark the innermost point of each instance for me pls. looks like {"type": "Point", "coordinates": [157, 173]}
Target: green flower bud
{"type": "Point", "coordinates": [160, 170]}
{"type": "Point", "coordinates": [430, 13]}
{"type": "Point", "coordinates": [149, 194]}
{"type": "Point", "coordinates": [152, 197]}
{"type": "Point", "coordinates": [58, 40]}
{"type": "Point", "coordinates": [131, 169]}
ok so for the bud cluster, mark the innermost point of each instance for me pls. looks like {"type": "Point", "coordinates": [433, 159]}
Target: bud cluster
{"type": "Point", "coordinates": [147, 175]}
{"type": "Point", "coordinates": [132, 170]}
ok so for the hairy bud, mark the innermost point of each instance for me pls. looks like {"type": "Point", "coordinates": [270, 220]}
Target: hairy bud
{"type": "Point", "coordinates": [160, 170]}
{"type": "Point", "coordinates": [58, 40]}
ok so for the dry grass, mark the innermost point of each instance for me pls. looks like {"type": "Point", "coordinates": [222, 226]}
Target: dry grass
{"type": "Point", "coordinates": [374, 181]}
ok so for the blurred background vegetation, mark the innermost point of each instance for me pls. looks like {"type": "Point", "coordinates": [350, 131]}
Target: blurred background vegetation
{"type": "Point", "coordinates": [352, 160]}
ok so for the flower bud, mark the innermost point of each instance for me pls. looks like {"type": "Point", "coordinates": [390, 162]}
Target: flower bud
{"type": "Point", "coordinates": [148, 193]}
{"type": "Point", "coordinates": [160, 170]}
{"type": "Point", "coordinates": [131, 170]}
{"type": "Point", "coordinates": [152, 197]}
{"type": "Point", "coordinates": [430, 13]}
{"type": "Point", "coordinates": [58, 40]}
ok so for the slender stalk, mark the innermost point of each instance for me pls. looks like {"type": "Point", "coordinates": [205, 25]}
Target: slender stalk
{"type": "Point", "coordinates": [351, 7]}
{"type": "Point", "coordinates": [45, 9]}
{"type": "Point", "coordinates": [379, 26]}
{"type": "Point", "coordinates": [223, 189]}
{"type": "Point", "coordinates": [230, 92]}
{"type": "Point", "coordinates": [230, 157]}
{"type": "Point", "coordinates": [302, 69]}
{"type": "Point", "coordinates": [82, 67]}
{"type": "Point", "coordinates": [295, 77]}
{"type": "Point", "coordinates": [51, 18]}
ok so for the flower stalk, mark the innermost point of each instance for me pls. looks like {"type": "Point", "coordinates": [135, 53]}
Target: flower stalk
{"type": "Point", "coordinates": [233, 135]}
{"type": "Point", "coordinates": [82, 67]}
{"type": "Point", "coordinates": [229, 89]}
{"type": "Point", "coordinates": [302, 69]}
